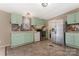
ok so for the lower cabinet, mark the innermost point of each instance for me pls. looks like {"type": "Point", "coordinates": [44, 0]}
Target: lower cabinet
{"type": "Point", "coordinates": [21, 38]}
{"type": "Point", "coordinates": [72, 39]}
{"type": "Point", "coordinates": [77, 40]}
{"type": "Point", "coordinates": [28, 37]}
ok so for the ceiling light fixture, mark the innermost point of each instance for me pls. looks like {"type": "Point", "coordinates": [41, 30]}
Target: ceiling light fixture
{"type": "Point", "coordinates": [44, 4]}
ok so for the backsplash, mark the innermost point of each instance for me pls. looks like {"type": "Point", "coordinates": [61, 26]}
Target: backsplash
{"type": "Point", "coordinates": [73, 27]}
{"type": "Point", "coordinates": [17, 27]}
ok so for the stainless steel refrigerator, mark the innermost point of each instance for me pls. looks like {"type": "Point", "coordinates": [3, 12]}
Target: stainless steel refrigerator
{"type": "Point", "coordinates": [57, 31]}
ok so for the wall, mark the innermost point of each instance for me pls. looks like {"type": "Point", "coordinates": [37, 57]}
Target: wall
{"type": "Point", "coordinates": [4, 29]}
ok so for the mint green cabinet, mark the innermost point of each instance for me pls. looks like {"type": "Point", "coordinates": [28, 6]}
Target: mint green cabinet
{"type": "Point", "coordinates": [77, 40]}
{"type": "Point", "coordinates": [17, 39]}
{"type": "Point", "coordinates": [21, 38]}
{"type": "Point", "coordinates": [16, 18]}
{"type": "Point", "coordinates": [77, 17]}
{"type": "Point", "coordinates": [37, 21]}
{"type": "Point", "coordinates": [28, 37]}
{"type": "Point", "coordinates": [70, 39]}
{"type": "Point", "coordinates": [71, 18]}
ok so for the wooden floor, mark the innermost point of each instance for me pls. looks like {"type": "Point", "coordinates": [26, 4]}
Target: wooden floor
{"type": "Point", "coordinates": [42, 48]}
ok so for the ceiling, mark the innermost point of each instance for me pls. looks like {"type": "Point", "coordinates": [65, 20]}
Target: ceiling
{"type": "Point", "coordinates": [52, 10]}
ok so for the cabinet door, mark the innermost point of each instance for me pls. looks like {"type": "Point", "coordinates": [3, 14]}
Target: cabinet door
{"type": "Point", "coordinates": [69, 39]}
{"type": "Point", "coordinates": [16, 18]}
{"type": "Point", "coordinates": [71, 19]}
{"type": "Point", "coordinates": [28, 37]}
{"type": "Point", "coordinates": [77, 17]}
{"type": "Point", "coordinates": [77, 40]}
{"type": "Point", "coordinates": [17, 39]}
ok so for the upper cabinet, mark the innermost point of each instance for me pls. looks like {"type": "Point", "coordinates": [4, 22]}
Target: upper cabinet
{"type": "Point", "coordinates": [73, 18]}
{"type": "Point", "coordinates": [37, 21]}
{"type": "Point", "coordinates": [16, 18]}
{"type": "Point", "coordinates": [77, 17]}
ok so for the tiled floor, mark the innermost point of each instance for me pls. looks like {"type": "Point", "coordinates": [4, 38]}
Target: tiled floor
{"type": "Point", "coordinates": [42, 48]}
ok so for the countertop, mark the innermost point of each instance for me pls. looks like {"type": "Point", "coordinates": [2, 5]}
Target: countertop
{"type": "Point", "coordinates": [23, 31]}
{"type": "Point", "coordinates": [73, 32]}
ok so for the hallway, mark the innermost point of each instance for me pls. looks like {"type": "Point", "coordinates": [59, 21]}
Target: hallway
{"type": "Point", "coordinates": [42, 48]}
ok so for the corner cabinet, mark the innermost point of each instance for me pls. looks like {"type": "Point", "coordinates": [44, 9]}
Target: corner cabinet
{"type": "Point", "coordinates": [72, 39]}
{"type": "Point", "coordinates": [16, 18]}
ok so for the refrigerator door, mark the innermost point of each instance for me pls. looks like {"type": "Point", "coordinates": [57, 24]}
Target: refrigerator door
{"type": "Point", "coordinates": [53, 33]}
{"type": "Point", "coordinates": [57, 36]}
{"type": "Point", "coordinates": [59, 33]}
{"type": "Point", "coordinates": [53, 37]}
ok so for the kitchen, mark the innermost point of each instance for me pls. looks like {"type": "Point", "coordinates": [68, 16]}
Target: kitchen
{"type": "Point", "coordinates": [40, 34]}
{"type": "Point", "coordinates": [30, 29]}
